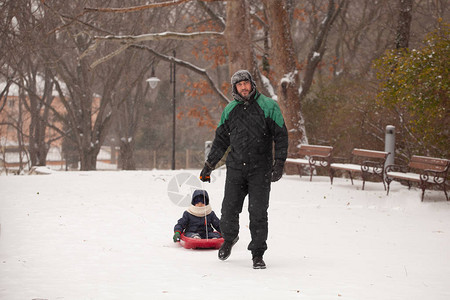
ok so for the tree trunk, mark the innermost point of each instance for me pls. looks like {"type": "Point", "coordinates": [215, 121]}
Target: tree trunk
{"type": "Point", "coordinates": [241, 54]}
{"type": "Point", "coordinates": [237, 34]}
{"type": "Point", "coordinates": [39, 109]}
{"type": "Point", "coordinates": [404, 24]}
{"type": "Point", "coordinates": [127, 156]}
{"type": "Point", "coordinates": [286, 75]}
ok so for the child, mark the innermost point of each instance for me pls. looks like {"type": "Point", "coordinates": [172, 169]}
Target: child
{"type": "Point", "coordinates": [195, 217]}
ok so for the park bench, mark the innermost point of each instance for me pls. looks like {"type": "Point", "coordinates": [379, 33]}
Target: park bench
{"type": "Point", "coordinates": [312, 156]}
{"type": "Point", "coordinates": [425, 171]}
{"type": "Point", "coordinates": [366, 162]}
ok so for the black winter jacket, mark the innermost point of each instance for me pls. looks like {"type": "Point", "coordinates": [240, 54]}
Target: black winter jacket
{"type": "Point", "coordinates": [191, 223]}
{"type": "Point", "coordinates": [250, 128]}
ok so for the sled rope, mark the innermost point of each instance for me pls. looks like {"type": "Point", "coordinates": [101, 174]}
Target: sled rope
{"type": "Point", "coordinates": [204, 202]}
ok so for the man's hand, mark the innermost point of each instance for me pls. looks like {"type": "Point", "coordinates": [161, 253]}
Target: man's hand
{"type": "Point", "coordinates": [277, 170]}
{"type": "Point", "coordinates": [205, 174]}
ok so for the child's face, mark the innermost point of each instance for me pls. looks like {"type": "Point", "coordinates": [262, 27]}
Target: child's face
{"type": "Point", "coordinates": [200, 204]}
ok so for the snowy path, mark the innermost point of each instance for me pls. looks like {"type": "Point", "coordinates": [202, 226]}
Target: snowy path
{"type": "Point", "coordinates": [108, 235]}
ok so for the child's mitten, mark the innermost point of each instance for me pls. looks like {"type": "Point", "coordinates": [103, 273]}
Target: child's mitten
{"type": "Point", "coordinates": [176, 237]}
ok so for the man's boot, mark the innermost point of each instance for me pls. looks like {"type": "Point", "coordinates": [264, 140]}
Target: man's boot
{"type": "Point", "coordinates": [225, 249]}
{"type": "Point", "coordinates": [258, 263]}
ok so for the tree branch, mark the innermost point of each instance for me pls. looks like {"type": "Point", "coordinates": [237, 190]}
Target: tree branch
{"type": "Point", "coordinates": [215, 17]}
{"type": "Point", "coordinates": [188, 66]}
{"type": "Point", "coordinates": [128, 39]}
{"type": "Point", "coordinates": [138, 8]}
{"type": "Point", "coordinates": [162, 36]}
{"type": "Point", "coordinates": [134, 8]}
{"type": "Point", "coordinates": [317, 50]}
{"type": "Point", "coordinates": [107, 57]}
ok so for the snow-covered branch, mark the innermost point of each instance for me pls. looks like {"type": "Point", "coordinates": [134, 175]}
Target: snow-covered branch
{"type": "Point", "coordinates": [140, 7]}
{"type": "Point", "coordinates": [215, 17]}
{"type": "Point", "coordinates": [127, 40]}
{"type": "Point", "coordinates": [162, 36]}
{"type": "Point", "coordinates": [133, 8]}
{"type": "Point", "coordinates": [107, 57]}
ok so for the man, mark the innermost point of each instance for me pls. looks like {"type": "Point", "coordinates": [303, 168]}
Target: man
{"type": "Point", "coordinates": [249, 126]}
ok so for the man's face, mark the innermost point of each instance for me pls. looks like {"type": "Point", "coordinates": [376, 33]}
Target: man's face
{"type": "Point", "coordinates": [244, 88]}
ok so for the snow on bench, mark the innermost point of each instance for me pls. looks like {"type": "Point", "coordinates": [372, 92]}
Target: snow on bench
{"type": "Point", "coordinates": [364, 161]}
{"type": "Point", "coordinates": [312, 156]}
{"type": "Point", "coordinates": [429, 171]}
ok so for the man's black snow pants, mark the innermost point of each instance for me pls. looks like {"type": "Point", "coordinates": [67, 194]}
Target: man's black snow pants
{"type": "Point", "coordinates": [254, 182]}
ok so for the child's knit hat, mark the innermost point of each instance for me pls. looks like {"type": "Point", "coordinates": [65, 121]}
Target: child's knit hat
{"type": "Point", "coordinates": [200, 196]}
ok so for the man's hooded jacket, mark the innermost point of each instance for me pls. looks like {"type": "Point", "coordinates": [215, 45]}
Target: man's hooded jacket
{"type": "Point", "coordinates": [249, 127]}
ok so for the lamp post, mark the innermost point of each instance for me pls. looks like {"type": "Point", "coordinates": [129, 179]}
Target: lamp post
{"type": "Point", "coordinates": [173, 81]}
{"type": "Point", "coordinates": [153, 82]}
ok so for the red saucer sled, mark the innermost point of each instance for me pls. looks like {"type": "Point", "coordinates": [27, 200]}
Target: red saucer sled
{"type": "Point", "coordinates": [190, 243]}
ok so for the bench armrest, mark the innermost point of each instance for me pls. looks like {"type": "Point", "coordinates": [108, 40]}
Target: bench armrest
{"type": "Point", "coordinates": [319, 160]}
{"type": "Point", "coordinates": [377, 166]}
{"type": "Point", "coordinates": [437, 177]}
{"type": "Point", "coordinates": [396, 168]}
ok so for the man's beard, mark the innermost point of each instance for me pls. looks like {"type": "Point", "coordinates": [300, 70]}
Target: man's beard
{"type": "Point", "coordinates": [247, 96]}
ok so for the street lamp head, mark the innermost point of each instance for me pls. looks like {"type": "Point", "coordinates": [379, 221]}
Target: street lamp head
{"type": "Point", "coordinates": [153, 81]}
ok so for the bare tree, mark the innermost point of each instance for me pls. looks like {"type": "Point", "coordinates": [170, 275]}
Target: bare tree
{"type": "Point", "coordinates": [26, 36]}
{"type": "Point", "coordinates": [127, 113]}
{"type": "Point", "coordinates": [292, 90]}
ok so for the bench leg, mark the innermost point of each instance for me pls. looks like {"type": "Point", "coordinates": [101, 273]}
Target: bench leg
{"type": "Point", "coordinates": [363, 175]}
{"type": "Point", "coordinates": [423, 186]}
{"type": "Point", "coordinates": [445, 192]}
{"type": "Point", "coordinates": [299, 169]}
{"type": "Point", "coordinates": [351, 177]}
{"type": "Point", "coordinates": [384, 183]}
{"type": "Point", "coordinates": [388, 182]}
{"type": "Point", "coordinates": [311, 171]}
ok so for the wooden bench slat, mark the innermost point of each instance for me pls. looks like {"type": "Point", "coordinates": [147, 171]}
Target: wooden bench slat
{"type": "Point", "coordinates": [429, 163]}
{"type": "Point", "coordinates": [370, 153]}
{"type": "Point", "coordinates": [425, 166]}
{"type": "Point", "coordinates": [315, 150]}
{"type": "Point", "coordinates": [301, 161]}
{"type": "Point", "coordinates": [430, 160]}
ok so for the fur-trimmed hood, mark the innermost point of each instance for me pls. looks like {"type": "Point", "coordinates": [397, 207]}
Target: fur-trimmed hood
{"type": "Point", "coordinates": [242, 75]}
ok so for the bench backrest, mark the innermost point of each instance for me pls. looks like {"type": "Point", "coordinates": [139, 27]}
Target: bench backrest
{"type": "Point", "coordinates": [370, 153]}
{"type": "Point", "coordinates": [316, 150]}
{"type": "Point", "coordinates": [429, 163]}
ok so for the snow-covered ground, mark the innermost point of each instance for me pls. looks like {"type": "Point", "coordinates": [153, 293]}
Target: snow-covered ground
{"type": "Point", "coordinates": [108, 235]}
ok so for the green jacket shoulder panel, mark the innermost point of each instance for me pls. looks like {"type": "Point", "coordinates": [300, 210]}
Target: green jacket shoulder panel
{"type": "Point", "coordinates": [271, 109]}
{"type": "Point", "coordinates": [226, 112]}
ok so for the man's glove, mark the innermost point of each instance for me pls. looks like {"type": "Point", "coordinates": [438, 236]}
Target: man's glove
{"type": "Point", "coordinates": [205, 174]}
{"type": "Point", "coordinates": [277, 170]}
{"type": "Point", "coordinates": [176, 237]}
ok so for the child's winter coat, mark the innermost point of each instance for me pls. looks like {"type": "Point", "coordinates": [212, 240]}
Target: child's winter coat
{"type": "Point", "coordinates": [193, 220]}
